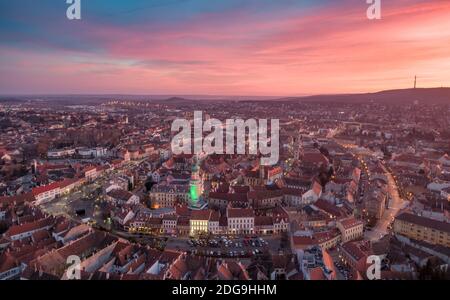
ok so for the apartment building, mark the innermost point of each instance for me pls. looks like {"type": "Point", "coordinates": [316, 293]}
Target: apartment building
{"type": "Point", "coordinates": [241, 220]}
{"type": "Point", "coordinates": [350, 228]}
{"type": "Point", "coordinates": [423, 229]}
{"type": "Point", "coordinates": [169, 195]}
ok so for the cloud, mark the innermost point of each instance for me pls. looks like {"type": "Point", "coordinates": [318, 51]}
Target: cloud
{"type": "Point", "coordinates": [226, 47]}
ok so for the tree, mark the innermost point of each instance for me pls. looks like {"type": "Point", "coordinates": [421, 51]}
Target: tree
{"type": "Point", "coordinates": [3, 227]}
{"type": "Point", "coordinates": [324, 151]}
{"type": "Point", "coordinates": [5, 123]}
{"type": "Point", "coordinates": [149, 184]}
{"type": "Point", "coordinates": [42, 147]}
{"type": "Point", "coordinates": [433, 271]}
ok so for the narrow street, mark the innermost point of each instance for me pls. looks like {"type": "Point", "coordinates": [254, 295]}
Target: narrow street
{"type": "Point", "coordinates": [396, 204]}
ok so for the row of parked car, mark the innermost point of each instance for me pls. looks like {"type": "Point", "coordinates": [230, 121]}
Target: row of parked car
{"type": "Point", "coordinates": [219, 253]}
{"type": "Point", "coordinates": [255, 242]}
{"type": "Point", "coordinates": [344, 271]}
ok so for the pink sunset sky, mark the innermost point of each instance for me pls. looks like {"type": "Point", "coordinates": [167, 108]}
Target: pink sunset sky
{"type": "Point", "coordinates": [281, 50]}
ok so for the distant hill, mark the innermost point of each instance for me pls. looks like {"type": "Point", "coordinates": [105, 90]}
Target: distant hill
{"type": "Point", "coordinates": [176, 100]}
{"type": "Point", "coordinates": [11, 100]}
{"type": "Point", "coordinates": [425, 95]}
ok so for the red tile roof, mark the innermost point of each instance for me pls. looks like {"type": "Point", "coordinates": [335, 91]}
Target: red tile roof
{"type": "Point", "coordinates": [68, 181]}
{"type": "Point", "coordinates": [356, 250]}
{"type": "Point", "coordinates": [90, 168]}
{"type": "Point", "coordinates": [263, 221]}
{"type": "Point", "coordinates": [265, 194]}
{"type": "Point", "coordinates": [229, 197]}
{"type": "Point", "coordinates": [119, 194]}
{"type": "Point", "coordinates": [350, 222]}
{"type": "Point", "coordinates": [303, 241]}
{"type": "Point", "coordinates": [315, 158]}
{"type": "Point", "coordinates": [7, 262]}
{"type": "Point", "coordinates": [292, 191]}
{"type": "Point", "coordinates": [18, 199]}
{"type": "Point", "coordinates": [317, 274]}
{"type": "Point", "coordinates": [240, 213]}
{"type": "Point", "coordinates": [324, 236]}
{"type": "Point", "coordinates": [27, 227]}
{"type": "Point", "coordinates": [408, 158]}
{"type": "Point", "coordinates": [42, 189]}
{"type": "Point", "coordinates": [205, 215]}
{"type": "Point", "coordinates": [182, 211]}
{"type": "Point", "coordinates": [328, 208]}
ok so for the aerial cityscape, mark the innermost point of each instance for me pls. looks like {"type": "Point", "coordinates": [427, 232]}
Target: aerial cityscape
{"type": "Point", "coordinates": [347, 176]}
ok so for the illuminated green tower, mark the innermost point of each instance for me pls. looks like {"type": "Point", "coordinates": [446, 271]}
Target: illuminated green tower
{"type": "Point", "coordinates": [195, 190]}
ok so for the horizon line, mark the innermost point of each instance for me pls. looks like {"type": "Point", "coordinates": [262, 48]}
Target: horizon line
{"type": "Point", "coordinates": [212, 95]}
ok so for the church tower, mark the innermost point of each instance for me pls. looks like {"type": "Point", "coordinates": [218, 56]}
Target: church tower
{"type": "Point", "coordinates": [297, 146]}
{"type": "Point", "coordinates": [34, 167]}
{"type": "Point", "coordinates": [195, 186]}
{"type": "Point", "coordinates": [196, 199]}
